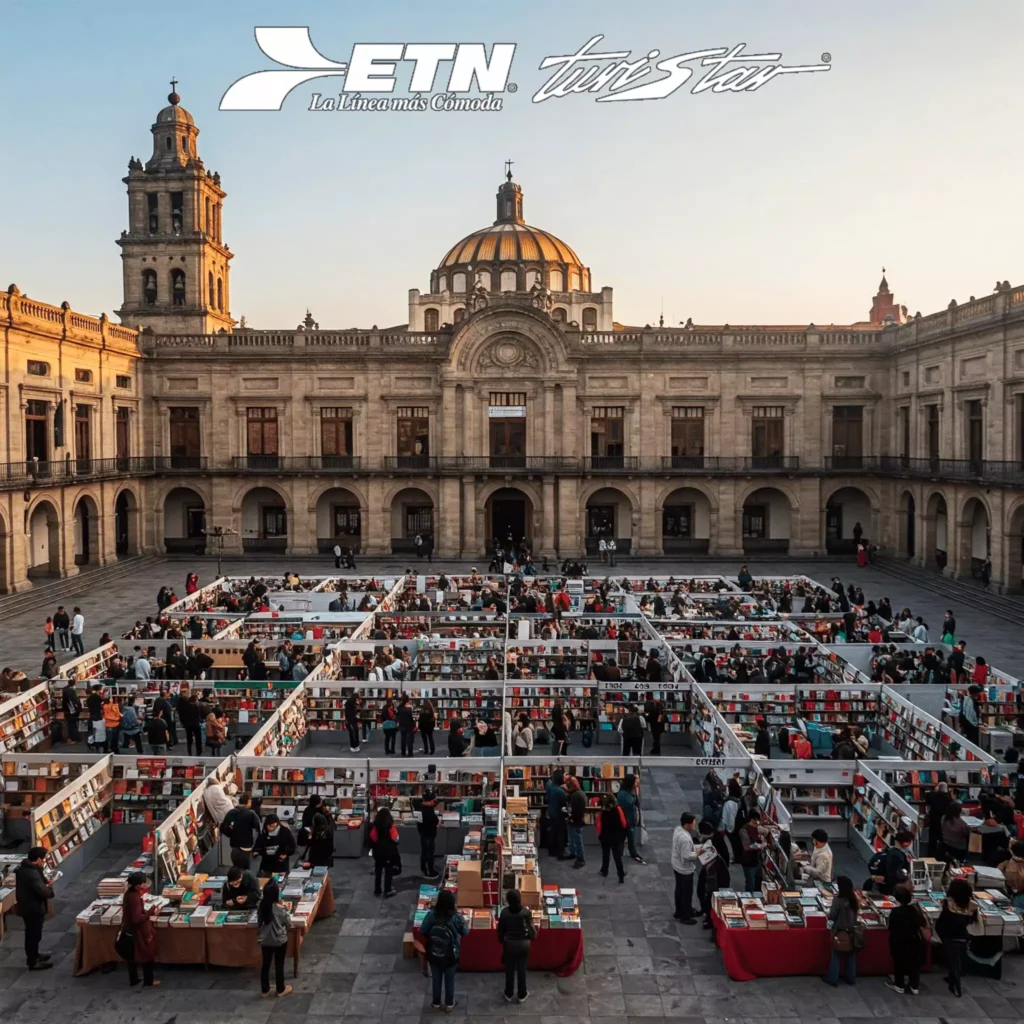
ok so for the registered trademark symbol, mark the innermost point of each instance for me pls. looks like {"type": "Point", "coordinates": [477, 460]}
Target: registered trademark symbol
{"type": "Point", "coordinates": [826, 58]}
{"type": "Point", "coordinates": [511, 87]}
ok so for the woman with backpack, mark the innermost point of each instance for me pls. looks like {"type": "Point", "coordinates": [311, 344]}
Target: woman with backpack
{"type": "Point", "coordinates": [384, 842]}
{"type": "Point", "coordinates": [273, 922]}
{"type": "Point", "coordinates": [611, 831]}
{"type": "Point", "coordinates": [443, 928]}
{"type": "Point", "coordinates": [732, 817]}
{"type": "Point", "coordinates": [515, 930]}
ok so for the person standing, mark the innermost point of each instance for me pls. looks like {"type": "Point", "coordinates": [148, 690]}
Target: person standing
{"type": "Point", "coordinates": [337, 556]}
{"type": "Point", "coordinates": [654, 710]}
{"type": "Point", "coordinates": [986, 573]}
{"type": "Point", "coordinates": [241, 825]}
{"type": "Point", "coordinates": [956, 833]}
{"type": "Point", "coordinates": [443, 928]}
{"type": "Point", "coordinates": [62, 628]}
{"type": "Point", "coordinates": [842, 916]}
{"type": "Point", "coordinates": [958, 911]}
{"type": "Point", "coordinates": [320, 851]}
{"type": "Point", "coordinates": [71, 706]}
{"type": "Point", "coordinates": [907, 925]}
{"type": "Point", "coordinates": [763, 740]}
{"type": "Point", "coordinates": [273, 922]}
{"type": "Point", "coordinates": [970, 721]}
{"type": "Point", "coordinates": [629, 800]}
{"type": "Point", "coordinates": [751, 845]}
{"type": "Point", "coordinates": [555, 799]}
{"type": "Point", "coordinates": [631, 729]}
{"type": "Point", "coordinates": [275, 846]}
{"type": "Point", "coordinates": [406, 725]}
{"type": "Point", "coordinates": [352, 721]}
{"type": "Point", "coordinates": [577, 819]}
{"type": "Point", "coordinates": [389, 725]}
{"type": "Point", "coordinates": [384, 846]}
{"type": "Point", "coordinates": [714, 871]}
{"type": "Point", "coordinates": [427, 723]}
{"type": "Point", "coordinates": [112, 720]}
{"type": "Point", "coordinates": [949, 627]}
{"type": "Point", "coordinates": [77, 632]}
{"type": "Point", "coordinates": [611, 831]}
{"type": "Point", "coordinates": [33, 894]}
{"type": "Point", "coordinates": [523, 741]}
{"type": "Point", "coordinates": [602, 548]}
{"type": "Point", "coordinates": [938, 803]}
{"type": "Point", "coordinates": [131, 727]}
{"type": "Point", "coordinates": [427, 828]}
{"type": "Point", "coordinates": [819, 867]}
{"type": "Point", "coordinates": [515, 930]}
{"type": "Point", "coordinates": [611, 552]}
{"type": "Point", "coordinates": [191, 721]}
{"type": "Point", "coordinates": [136, 942]}
{"type": "Point", "coordinates": [684, 862]}
{"type": "Point", "coordinates": [216, 730]}
{"type": "Point", "coordinates": [163, 708]}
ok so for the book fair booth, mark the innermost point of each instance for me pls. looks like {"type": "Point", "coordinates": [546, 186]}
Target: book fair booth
{"type": "Point", "coordinates": [487, 655]}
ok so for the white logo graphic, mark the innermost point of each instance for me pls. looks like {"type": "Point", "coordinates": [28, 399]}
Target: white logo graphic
{"type": "Point", "coordinates": [586, 72]}
{"type": "Point", "coordinates": [370, 69]}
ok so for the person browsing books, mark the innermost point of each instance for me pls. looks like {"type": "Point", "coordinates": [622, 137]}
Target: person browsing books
{"type": "Point", "coordinates": [275, 846]}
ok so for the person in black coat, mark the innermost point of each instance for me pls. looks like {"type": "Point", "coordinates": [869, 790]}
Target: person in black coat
{"type": "Point", "coordinates": [162, 706]}
{"type": "Point", "coordinates": [275, 846]}
{"type": "Point", "coordinates": [938, 803]}
{"type": "Point", "coordinates": [71, 705]}
{"type": "Point", "coordinates": [320, 853]}
{"type": "Point", "coordinates": [713, 876]}
{"type": "Point", "coordinates": [611, 831]}
{"type": "Point", "coordinates": [242, 825]}
{"type": "Point", "coordinates": [427, 724]}
{"type": "Point", "coordinates": [352, 722]}
{"type": "Point", "coordinates": [406, 725]}
{"type": "Point", "coordinates": [33, 894]}
{"type": "Point", "coordinates": [456, 741]}
{"type": "Point", "coordinates": [906, 944]}
{"type": "Point", "coordinates": [427, 828]}
{"type": "Point", "coordinates": [763, 740]}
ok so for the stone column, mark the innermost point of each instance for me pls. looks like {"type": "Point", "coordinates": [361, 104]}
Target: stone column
{"type": "Point", "coordinates": [448, 517]}
{"type": "Point", "coordinates": [377, 522]}
{"type": "Point", "coordinates": [549, 519]}
{"type": "Point", "coordinates": [569, 518]}
{"type": "Point", "coordinates": [449, 436]}
{"type": "Point", "coordinates": [302, 525]}
{"type": "Point", "coordinates": [221, 512]}
{"type": "Point", "coordinates": [470, 545]}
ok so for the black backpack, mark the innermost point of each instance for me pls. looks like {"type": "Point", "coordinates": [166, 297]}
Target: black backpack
{"type": "Point", "coordinates": [442, 946]}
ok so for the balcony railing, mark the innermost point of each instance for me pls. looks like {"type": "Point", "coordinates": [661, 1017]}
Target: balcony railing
{"type": "Point", "coordinates": [771, 463]}
{"type": "Point", "coordinates": [611, 464]}
{"type": "Point", "coordinates": [952, 469]}
{"type": "Point", "coordinates": [409, 463]}
{"type": "Point", "coordinates": [853, 463]}
{"type": "Point", "coordinates": [296, 464]}
{"type": "Point", "coordinates": [180, 463]}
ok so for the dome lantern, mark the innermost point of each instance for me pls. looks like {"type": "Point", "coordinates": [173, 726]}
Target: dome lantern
{"type": "Point", "coordinates": [510, 200]}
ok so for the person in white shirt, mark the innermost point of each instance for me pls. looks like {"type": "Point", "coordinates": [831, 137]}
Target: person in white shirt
{"type": "Point", "coordinates": [819, 868]}
{"type": "Point", "coordinates": [143, 670]}
{"type": "Point", "coordinates": [684, 862]}
{"type": "Point", "coordinates": [218, 800]}
{"type": "Point", "coordinates": [77, 632]}
{"type": "Point", "coordinates": [337, 556]}
{"type": "Point", "coordinates": [921, 631]}
{"type": "Point", "coordinates": [602, 548]}
{"type": "Point", "coordinates": [507, 738]}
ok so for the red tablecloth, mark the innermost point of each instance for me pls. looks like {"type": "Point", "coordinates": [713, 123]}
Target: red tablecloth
{"type": "Point", "coordinates": [555, 949]}
{"type": "Point", "coordinates": [749, 954]}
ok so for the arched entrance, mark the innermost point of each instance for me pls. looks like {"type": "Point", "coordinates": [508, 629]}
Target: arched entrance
{"type": "Point", "coordinates": [126, 525]}
{"type": "Point", "coordinates": [87, 531]}
{"type": "Point", "coordinates": [43, 529]}
{"type": "Point", "coordinates": [686, 522]}
{"type": "Point", "coordinates": [766, 522]}
{"type": "Point", "coordinates": [936, 533]}
{"type": "Point", "coordinates": [264, 520]}
{"type": "Point", "coordinates": [974, 538]}
{"type": "Point", "coordinates": [184, 522]}
{"type": "Point", "coordinates": [847, 509]}
{"type": "Point", "coordinates": [412, 515]}
{"type": "Point", "coordinates": [338, 520]}
{"type": "Point", "coordinates": [609, 514]}
{"type": "Point", "coordinates": [508, 512]}
{"type": "Point", "coordinates": [907, 525]}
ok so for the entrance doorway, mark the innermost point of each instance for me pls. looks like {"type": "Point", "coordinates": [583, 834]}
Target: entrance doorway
{"type": "Point", "coordinates": [509, 511]}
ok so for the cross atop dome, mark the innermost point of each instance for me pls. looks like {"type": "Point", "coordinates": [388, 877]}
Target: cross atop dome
{"type": "Point", "coordinates": [510, 199]}
{"type": "Point", "coordinates": [508, 170]}
{"type": "Point", "coordinates": [174, 99]}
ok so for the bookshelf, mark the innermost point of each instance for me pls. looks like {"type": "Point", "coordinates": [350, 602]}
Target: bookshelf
{"type": "Point", "coordinates": [284, 731]}
{"type": "Point", "coordinates": [669, 584]}
{"type": "Point", "coordinates": [73, 824]}
{"type": "Point", "coordinates": [405, 626]}
{"type": "Point", "coordinates": [614, 698]}
{"type": "Point", "coordinates": [455, 659]}
{"type": "Point", "coordinates": [741, 708]}
{"type": "Point", "coordinates": [25, 721]}
{"type": "Point", "coordinates": [728, 632]}
{"type": "Point", "coordinates": [91, 665]}
{"type": "Point", "coordinates": [30, 780]}
{"type": "Point", "coordinates": [918, 736]}
{"type": "Point", "coordinates": [815, 797]}
{"type": "Point", "coordinates": [839, 705]}
{"type": "Point", "coordinates": [286, 784]}
{"type": "Point", "coordinates": [250, 703]}
{"type": "Point", "coordinates": [543, 659]}
{"type": "Point", "coordinates": [999, 705]}
{"type": "Point", "coordinates": [147, 789]}
{"type": "Point", "coordinates": [538, 700]}
{"type": "Point", "coordinates": [877, 813]}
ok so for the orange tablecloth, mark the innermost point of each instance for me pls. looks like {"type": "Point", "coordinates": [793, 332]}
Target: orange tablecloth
{"type": "Point", "coordinates": [227, 946]}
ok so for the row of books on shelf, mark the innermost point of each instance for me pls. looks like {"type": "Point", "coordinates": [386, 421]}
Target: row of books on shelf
{"type": "Point", "coordinates": [25, 724]}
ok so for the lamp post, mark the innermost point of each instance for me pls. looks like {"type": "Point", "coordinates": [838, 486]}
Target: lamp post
{"type": "Point", "coordinates": [218, 533]}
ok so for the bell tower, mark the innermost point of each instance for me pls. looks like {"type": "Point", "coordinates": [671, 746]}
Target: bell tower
{"type": "Point", "coordinates": [510, 200]}
{"type": "Point", "coordinates": [176, 267]}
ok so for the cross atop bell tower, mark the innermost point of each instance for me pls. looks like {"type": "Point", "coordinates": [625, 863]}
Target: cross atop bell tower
{"type": "Point", "coordinates": [510, 199]}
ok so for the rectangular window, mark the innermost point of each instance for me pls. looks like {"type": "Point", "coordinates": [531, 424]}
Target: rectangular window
{"type": "Point", "coordinates": [336, 437]}
{"type": "Point", "coordinates": [932, 420]}
{"type": "Point", "coordinates": [177, 212]}
{"type": "Point", "coordinates": [687, 437]}
{"type": "Point", "coordinates": [195, 521]}
{"type": "Point", "coordinates": [262, 437]}
{"type": "Point", "coordinates": [185, 443]}
{"type": "Point", "coordinates": [755, 521]}
{"type": "Point", "coordinates": [346, 523]}
{"type": "Point", "coordinates": [153, 212]}
{"type": "Point", "coordinates": [507, 429]}
{"type": "Point", "coordinates": [608, 437]}
{"type": "Point", "coordinates": [37, 368]}
{"type": "Point", "coordinates": [903, 433]}
{"type": "Point", "coordinates": [122, 380]}
{"type": "Point", "coordinates": [83, 437]}
{"type": "Point", "coordinates": [419, 519]}
{"type": "Point", "coordinates": [767, 442]}
{"type": "Point", "coordinates": [37, 447]}
{"type": "Point", "coordinates": [677, 521]}
{"type": "Point", "coordinates": [123, 436]}
{"type": "Point", "coordinates": [847, 436]}
{"type": "Point", "coordinates": [273, 521]}
{"type": "Point", "coordinates": [975, 434]}
{"type": "Point", "coordinates": [413, 436]}
{"type": "Point", "coordinates": [83, 376]}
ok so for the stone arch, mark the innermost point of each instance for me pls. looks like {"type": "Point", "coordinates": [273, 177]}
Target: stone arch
{"type": "Point", "coordinates": [1013, 576]}
{"type": "Point", "coordinates": [610, 512]}
{"type": "Point", "coordinates": [42, 534]}
{"type": "Point", "coordinates": [126, 523]}
{"type": "Point", "coordinates": [340, 518]}
{"type": "Point", "coordinates": [525, 328]}
{"type": "Point", "coordinates": [907, 531]}
{"type": "Point", "coordinates": [265, 519]}
{"type": "Point", "coordinates": [845, 509]}
{"type": "Point", "coordinates": [87, 530]}
{"type": "Point", "coordinates": [937, 535]}
{"type": "Point", "coordinates": [531, 510]}
{"type": "Point", "coordinates": [412, 512]}
{"type": "Point", "coordinates": [766, 519]}
{"type": "Point", "coordinates": [775, 485]}
{"type": "Point", "coordinates": [185, 511]}
{"type": "Point", "coordinates": [687, 518]}
{"type": "Point", "coordinates": [974, 535]}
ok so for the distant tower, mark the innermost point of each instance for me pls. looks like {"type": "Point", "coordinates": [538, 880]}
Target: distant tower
{"type": "Point", "coordinates": [175, 263]}
{"type": "Point", "coordinates": [510, 200]}
{"type": "Point", "coordinates": [884, 305]}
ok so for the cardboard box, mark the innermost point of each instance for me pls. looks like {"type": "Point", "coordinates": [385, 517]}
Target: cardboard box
{"type": "Point", "coordinates": [409, 946]}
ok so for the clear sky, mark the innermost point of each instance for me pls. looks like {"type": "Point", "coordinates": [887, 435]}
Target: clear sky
{"type": "Point", "coordinates": [779, 206]}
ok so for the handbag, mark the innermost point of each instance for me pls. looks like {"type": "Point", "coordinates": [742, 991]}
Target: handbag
{"type": "Point", "coordinates": [842, 942]}
{"type": "Point", "coordinates": [124, 946]}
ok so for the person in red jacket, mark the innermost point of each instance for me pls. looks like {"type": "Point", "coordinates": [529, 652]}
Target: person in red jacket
{"type": "Point", "coordinates": [611, 831]}
{"type": "Point", "coordinates": [137, 941]}
{"type": "Point", "coordinates": [801, 747]}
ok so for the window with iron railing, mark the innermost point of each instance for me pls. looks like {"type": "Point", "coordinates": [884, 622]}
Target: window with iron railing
{"type": "Point", "coordinates": [608, 432]}
{"type": "Point", "coordinates": [687, 434]}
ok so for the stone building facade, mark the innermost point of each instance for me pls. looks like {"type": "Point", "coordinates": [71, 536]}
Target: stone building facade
{"type": "Point", "coordinates": [512, 402]}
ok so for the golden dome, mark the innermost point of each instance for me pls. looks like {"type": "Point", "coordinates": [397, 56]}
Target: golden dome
{"type": "Point", "coordinates": [511, 240]}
